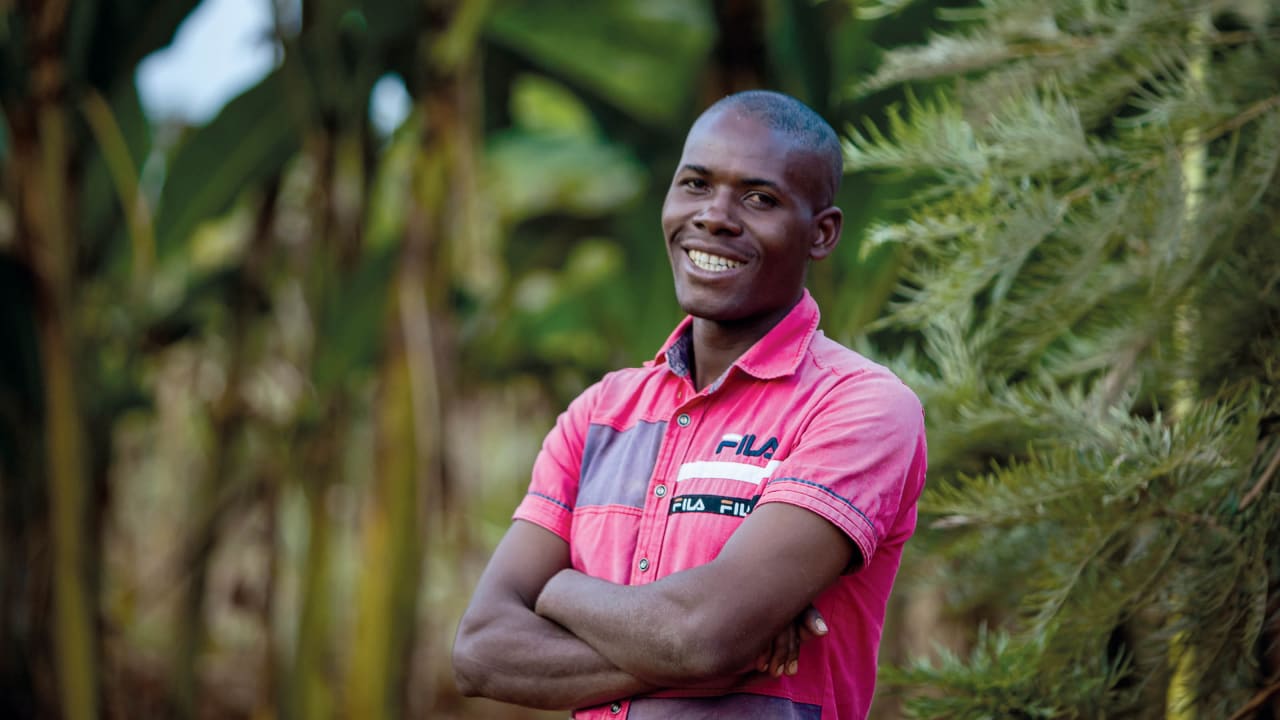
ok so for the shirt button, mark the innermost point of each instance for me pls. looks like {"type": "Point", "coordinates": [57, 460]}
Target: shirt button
{"type": "Point", "coordinates": [660, 491]}
{"type": "Point", "coordinates": [683, 420]}
{"type": "Point", "coordinates": [644, 564]}
{"type": "Point", "coordinates": [615, 708]}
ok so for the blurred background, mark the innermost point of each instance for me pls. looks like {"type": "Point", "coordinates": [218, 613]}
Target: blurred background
{"type": "Point", "coordinates": [291, 290]}
{"type": "Point", "coordinates": [325, 273]}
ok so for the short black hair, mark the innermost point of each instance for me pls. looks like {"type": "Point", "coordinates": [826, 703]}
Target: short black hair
{"type": "Point", "coordinates": [793, 118]}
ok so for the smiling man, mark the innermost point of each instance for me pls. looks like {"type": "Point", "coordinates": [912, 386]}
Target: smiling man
{"type": "Point", "coordinates": [715, 534]}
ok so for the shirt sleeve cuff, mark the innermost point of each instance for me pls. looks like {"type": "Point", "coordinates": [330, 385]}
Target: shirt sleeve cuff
{"type": "Point", "coordinates": [836, 509]}
{"type": "Point", "coordinates": [547, 512]}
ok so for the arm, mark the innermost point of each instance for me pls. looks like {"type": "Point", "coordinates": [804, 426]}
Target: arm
{"type": "Point", "coordinates": [699, 623]}
{"type": "Point", "coordinates": [506, 652]}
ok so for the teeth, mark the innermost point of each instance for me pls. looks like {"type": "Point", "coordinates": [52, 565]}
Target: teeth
{"type": "Point", "coordinates": [714, 263]}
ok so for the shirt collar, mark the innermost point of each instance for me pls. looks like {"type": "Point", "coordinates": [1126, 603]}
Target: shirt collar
{"type": "Point", "coordinates": [775, 355]}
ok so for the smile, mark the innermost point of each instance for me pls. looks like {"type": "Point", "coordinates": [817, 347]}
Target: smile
{"type": "Point", "coordinates": [712, 263]}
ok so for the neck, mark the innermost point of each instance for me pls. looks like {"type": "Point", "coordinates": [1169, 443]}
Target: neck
{"type": "Point", "coordinates": [717, 345]}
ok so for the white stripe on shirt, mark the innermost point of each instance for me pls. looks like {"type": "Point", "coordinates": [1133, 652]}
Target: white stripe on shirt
{"type": "Point", "coordinates": [741, 472]}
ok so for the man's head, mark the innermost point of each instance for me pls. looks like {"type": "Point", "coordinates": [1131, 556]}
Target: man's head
{"type": "Point", "coordinates": [750, 205]}
{"type": "Point", "coordinates": [796, 121]}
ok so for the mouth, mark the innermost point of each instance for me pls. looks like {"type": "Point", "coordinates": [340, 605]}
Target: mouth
{"type": "Point", "coordinates": [712, 263]}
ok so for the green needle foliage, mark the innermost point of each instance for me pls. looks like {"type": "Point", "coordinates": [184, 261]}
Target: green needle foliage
{"type": "Point", "coordinates": [1091, 303]}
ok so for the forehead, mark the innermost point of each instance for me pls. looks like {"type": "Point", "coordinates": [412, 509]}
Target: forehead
{"type": "Point", "coordinates": [740, 146]}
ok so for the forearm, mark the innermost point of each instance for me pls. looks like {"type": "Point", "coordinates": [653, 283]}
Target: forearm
{"type": "Point", "coordinates": [650, 631]}
{"type": "Point", "coordinates": [528, 660]}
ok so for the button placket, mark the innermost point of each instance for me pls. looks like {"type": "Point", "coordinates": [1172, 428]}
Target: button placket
{"type": "Point", "coordinates": [653, 524]}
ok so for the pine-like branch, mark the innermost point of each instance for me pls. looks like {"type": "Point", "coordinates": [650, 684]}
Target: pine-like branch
{"type": "Point", "coordinates": [1095, 236]}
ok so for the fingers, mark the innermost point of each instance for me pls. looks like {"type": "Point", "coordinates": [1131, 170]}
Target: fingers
{"type": "Point", "coordinates": [783, 654]}
{"type": "Point", "coordinates": [812, 623]}
{"type": "Point", "coordinates": [785, 649]}
{"type": "Point", "coordinates": [762, 662]}
{"type": "Point", "coordinates": [793, 651]}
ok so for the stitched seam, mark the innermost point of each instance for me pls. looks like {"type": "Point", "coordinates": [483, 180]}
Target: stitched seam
{"type": "Point", "coordinates": [551, 499]}
{"type": "Point", "coordinates": [834, 494]}
{"type": "Point", "coordinates": [588, 510]}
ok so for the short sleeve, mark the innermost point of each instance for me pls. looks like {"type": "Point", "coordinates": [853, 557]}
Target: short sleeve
{"type": "Point", "coordinates": [553, 489]}
{"type": "Point", "coordinates": [859, 460]}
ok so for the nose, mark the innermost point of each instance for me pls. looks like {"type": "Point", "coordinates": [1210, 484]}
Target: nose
{"type": "Point", "coordinates": [715, 215]}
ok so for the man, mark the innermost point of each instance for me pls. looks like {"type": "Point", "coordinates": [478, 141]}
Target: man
{"type": "Point", "coordinates": [683, 516]}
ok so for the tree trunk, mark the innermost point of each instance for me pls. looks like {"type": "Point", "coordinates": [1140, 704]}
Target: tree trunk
{"type": "Point", "coordinates": [41, 149]}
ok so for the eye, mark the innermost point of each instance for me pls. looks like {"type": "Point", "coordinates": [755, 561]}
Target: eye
{"type": "Point", "coordinates": [760, 200]}
{"type": "Point", "coordinates": [693, 183]}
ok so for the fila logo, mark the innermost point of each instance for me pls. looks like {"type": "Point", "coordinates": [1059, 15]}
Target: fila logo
{"type": "Point", "coordinates": [744, 445]}
{"type": "Point", "coordinates": [688, 503]}
{"type": "Point", "coordinates": [714, 504]}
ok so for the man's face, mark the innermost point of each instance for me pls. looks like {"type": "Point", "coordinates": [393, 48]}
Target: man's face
{"type": "Point", "coordinates": [742, 218]}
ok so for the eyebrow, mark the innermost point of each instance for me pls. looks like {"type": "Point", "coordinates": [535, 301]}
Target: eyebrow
{"type": "Point", "coordinates": [749, 182]}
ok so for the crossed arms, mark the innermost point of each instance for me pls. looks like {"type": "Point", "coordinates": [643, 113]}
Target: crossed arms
{"type": "Point", "coordinates": [540, 634]}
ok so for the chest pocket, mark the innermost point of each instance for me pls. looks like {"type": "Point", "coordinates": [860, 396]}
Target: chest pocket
{"type": "Point", "coordinates": [615, 472]}
{"type": "Point", "coordinates": [617, 464]}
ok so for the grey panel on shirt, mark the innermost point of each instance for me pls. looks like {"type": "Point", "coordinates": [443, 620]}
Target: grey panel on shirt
{"type": "Point", "coordinates": [742, 706]}
{"type": "Point", "coordinates": [617, 464]}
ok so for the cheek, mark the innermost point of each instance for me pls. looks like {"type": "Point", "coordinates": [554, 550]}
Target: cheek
{"type": "Point", "coordinates": [670, 217]}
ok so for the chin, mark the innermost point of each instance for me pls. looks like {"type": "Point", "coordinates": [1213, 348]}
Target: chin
{"type": "Point", "coordinates": [717, 309]}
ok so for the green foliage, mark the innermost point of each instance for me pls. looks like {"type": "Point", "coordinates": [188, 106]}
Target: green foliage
{"type": "Point", "coordinates": [101, 194]}
{"type": "Point", "coordinates": [249, 141]}
{"type": "Point", "coordinates": [1089, 285]}
{"type": "Point", "coordinates": [626, 51]}
{"type": "Point", "coordinates": [535, 174]}
{"type": "Point", "coordinates": [353, 319]}
{"type": "Point", "coordinates": [1000, 679]}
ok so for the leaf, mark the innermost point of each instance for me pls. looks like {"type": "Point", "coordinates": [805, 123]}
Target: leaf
{"type": "Point", "coordinates": [248, 142]}
{"type": "Point", "coordinates": [636, 55]}
{"type": "Point", "coordinates": [540, 104]}
{"type": "Point", "coordinates": [101, 218]}
{"type": "Point", "coordinates": [354, 319]}
{"type": "Point", "coordinates": [799, 37]}
{"type": "Point", "coordinates": [535, 174]}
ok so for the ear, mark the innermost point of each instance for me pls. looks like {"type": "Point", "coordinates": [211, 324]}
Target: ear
{"type": "Point", "coordinates": [826, 232]}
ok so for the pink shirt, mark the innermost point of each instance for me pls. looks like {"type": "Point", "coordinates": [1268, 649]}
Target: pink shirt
{"type": "Point", "coordinates": [645, 477]}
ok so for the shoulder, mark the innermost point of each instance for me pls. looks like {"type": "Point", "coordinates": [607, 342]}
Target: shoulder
{"type": "Point", "coordinates": [619, 380]}
{"type": "Point", "coordinates": [621, 396]}
{"type": "Point", "coordinates": [628, 381]}
{"type": "Point", "coordinates": [851, 368]}
{"type": "Point", "coordinates": [856, 382]}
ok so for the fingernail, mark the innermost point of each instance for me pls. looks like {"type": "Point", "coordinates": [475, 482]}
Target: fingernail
{"type": "Point", "coordinates": [793, 667]}
{"type": "Point", "coordinates": [822, 626]}
{"type": "Point", "coordinates": [777, 671]}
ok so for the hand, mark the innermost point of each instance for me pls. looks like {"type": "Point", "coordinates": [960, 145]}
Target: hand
{"type": "Point", "coordinates": [782, 655]}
